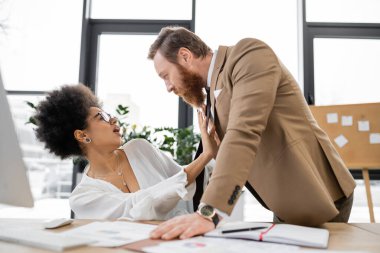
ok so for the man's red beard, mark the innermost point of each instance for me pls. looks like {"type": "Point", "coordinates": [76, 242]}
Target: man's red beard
{"type": "Point", "coordinates": [192, 90]}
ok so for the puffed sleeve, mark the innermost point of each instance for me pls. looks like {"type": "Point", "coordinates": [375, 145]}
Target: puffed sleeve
{"type": "Point", "coordinates": [165, 163]}
{"type": "Point", "coordinates": [153, 203]}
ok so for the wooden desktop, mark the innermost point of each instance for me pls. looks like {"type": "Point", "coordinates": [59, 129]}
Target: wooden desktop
{"type": "Point", "coordinates": [352, 236]}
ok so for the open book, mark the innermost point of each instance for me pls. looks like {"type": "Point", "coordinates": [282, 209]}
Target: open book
{"type": "Point", "coordinates": [278, 233]}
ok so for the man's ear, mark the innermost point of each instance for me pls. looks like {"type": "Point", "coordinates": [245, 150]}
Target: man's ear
{"type": "Point", "coordinates": [80, 136]}
{"type": "Point", "coordinates": [184, 56]}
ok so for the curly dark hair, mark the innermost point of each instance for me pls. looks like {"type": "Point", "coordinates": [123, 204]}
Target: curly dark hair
{"type": "Point", "coordinates": [62, 112]}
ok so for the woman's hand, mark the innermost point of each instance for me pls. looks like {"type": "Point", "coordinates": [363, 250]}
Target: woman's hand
{"type": "Point", "coordinates": [210, 149]}
{"type": "Point", "coordinates": [210, 140]}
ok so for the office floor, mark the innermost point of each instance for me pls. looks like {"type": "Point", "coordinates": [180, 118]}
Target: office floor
{"type": "Point", "coordinates": [253, 211]}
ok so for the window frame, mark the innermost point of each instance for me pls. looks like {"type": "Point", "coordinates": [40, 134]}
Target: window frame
{"type": "Point", "coordinates": [93, 28]}
{"type": "Point", "coordinates": [313, 30]}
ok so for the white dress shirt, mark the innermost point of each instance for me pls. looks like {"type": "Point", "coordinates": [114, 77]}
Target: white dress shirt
{"type": "Point", "coordinates": [163, 193]}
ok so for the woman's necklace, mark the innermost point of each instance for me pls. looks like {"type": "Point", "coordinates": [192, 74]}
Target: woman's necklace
{"type": "Point", "coordinates": [120, 172]}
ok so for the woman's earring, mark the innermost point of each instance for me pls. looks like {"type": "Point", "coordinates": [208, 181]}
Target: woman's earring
{"type": "Point", "coordinates": [87, 140]}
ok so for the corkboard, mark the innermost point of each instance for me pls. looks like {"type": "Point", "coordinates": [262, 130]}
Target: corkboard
{"type": "Point", "coordinates": [358, 152]}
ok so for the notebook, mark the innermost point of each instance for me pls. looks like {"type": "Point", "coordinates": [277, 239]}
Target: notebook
{"type": "Point", "coordinates": [277, 233]}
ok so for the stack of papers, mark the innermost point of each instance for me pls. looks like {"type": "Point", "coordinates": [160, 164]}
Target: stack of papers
{"type": "Point", "coordinates": [112, 234]}
{"type": "Point", "coordinates": [218, 245]}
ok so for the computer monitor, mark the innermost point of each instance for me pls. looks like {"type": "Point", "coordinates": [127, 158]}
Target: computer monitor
{"type": "Point", "coordinates": [14, 184]}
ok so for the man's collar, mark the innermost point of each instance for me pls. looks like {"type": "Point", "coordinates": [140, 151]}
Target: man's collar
{"type": "Point", "coordinates": [211, 68]}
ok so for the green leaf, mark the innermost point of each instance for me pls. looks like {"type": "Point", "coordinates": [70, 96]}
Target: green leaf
{"type": "Point", "coordinates": [30, 104]}
{"type": "Point", "coordinates": [32, 121]}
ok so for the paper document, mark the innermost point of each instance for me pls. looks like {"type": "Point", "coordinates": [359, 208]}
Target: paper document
{"type": "Point", "coordinates": [278, 233]}
{"type": "Point", "coordinates": [331, 251]}
{"type": "Point", "coordinates": [112, 234]}
{"type": "Point", "coordinates": [341, 141]}
{"type": "Point", "coordinates": [374, 138]}
{"type": "Point", "coordinates": [346, 120]}
{"type": "Point", "coordinates": [218, 245]}
{"type": "Point", "coordinates": [332, 118]}
{"type": "Point", "coordinates": [363, 126]}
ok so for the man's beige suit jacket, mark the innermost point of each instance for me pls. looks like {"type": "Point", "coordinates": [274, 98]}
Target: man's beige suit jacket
{"type": "Point", "coordinates": [270, 140]}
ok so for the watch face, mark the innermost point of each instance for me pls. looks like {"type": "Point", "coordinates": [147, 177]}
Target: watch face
{"type": "Point", "coordinates": [207, 211]}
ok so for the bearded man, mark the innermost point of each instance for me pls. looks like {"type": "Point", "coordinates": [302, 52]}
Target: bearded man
{"type": "Point", "coordinates": [270, 141]}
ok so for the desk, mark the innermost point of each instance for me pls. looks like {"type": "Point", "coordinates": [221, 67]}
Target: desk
{"type": "Point", "coordinates": [355, 236]}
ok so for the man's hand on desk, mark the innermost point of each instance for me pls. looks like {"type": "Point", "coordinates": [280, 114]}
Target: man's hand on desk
{"type": "Point", "coordinates": [184, 227]}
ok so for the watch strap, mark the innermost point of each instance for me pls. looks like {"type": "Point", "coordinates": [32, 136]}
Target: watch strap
{"type": "Point", "coordinates": [215, 219]}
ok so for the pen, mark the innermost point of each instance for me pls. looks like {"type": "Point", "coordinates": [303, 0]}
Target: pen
{"type": "Point", "coordinates": [241, 230]}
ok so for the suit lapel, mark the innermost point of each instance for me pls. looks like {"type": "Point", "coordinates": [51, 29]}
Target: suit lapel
{"type": "Point", "coordinates": [219, 61]}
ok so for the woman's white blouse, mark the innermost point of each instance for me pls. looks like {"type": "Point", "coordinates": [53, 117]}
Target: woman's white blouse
{"type": "Point", "coordinates": [163, 193]}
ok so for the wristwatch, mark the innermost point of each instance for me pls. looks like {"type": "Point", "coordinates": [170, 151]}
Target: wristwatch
{"type": "Point", "coordinates": [208, 212]}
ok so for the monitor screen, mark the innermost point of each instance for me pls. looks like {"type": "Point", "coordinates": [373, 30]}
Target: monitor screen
{"type": "Point", "coordinates": [14, 184]}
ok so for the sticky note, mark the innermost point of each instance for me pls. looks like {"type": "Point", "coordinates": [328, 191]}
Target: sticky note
{"type": "Point", "coordinates": [363, 125]}
{"type": "Point", "coordinates": [332, 118]}
{"type": "Point", "coordinates": [374, 138]}
{"type": "Point", "coordinates": [346, 120]}
{"type": "Point", "coordinates": [341, 141]}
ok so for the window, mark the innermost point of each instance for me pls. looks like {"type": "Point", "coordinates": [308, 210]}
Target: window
{"type": "Point", "coordinates": [341, 59]}
{"type": "Point", "coordinates": [127, 77]}
{"type": "Point", "coordinates": [39, 44]}
{"type": "Point", "coordinates": [114, 59]}
{"type": "Point", "coordinates": [142, 9]}
{"type": "Point", "coordinates": [49, 176]}
{"type": "Point", "coordinates": [346, 71]}
{"type": "Point", "coordinates": [235, 20]}
{"type": "Point", "coordinates": [344, 11]}
{"type": "Point", "coordinates": [40, 50]}
{"type": "Point", "coordinates": [340, 53]}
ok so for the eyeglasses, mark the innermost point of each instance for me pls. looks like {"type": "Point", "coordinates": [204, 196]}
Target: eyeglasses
{"type": "Point", "coordinates": [106, 117]}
